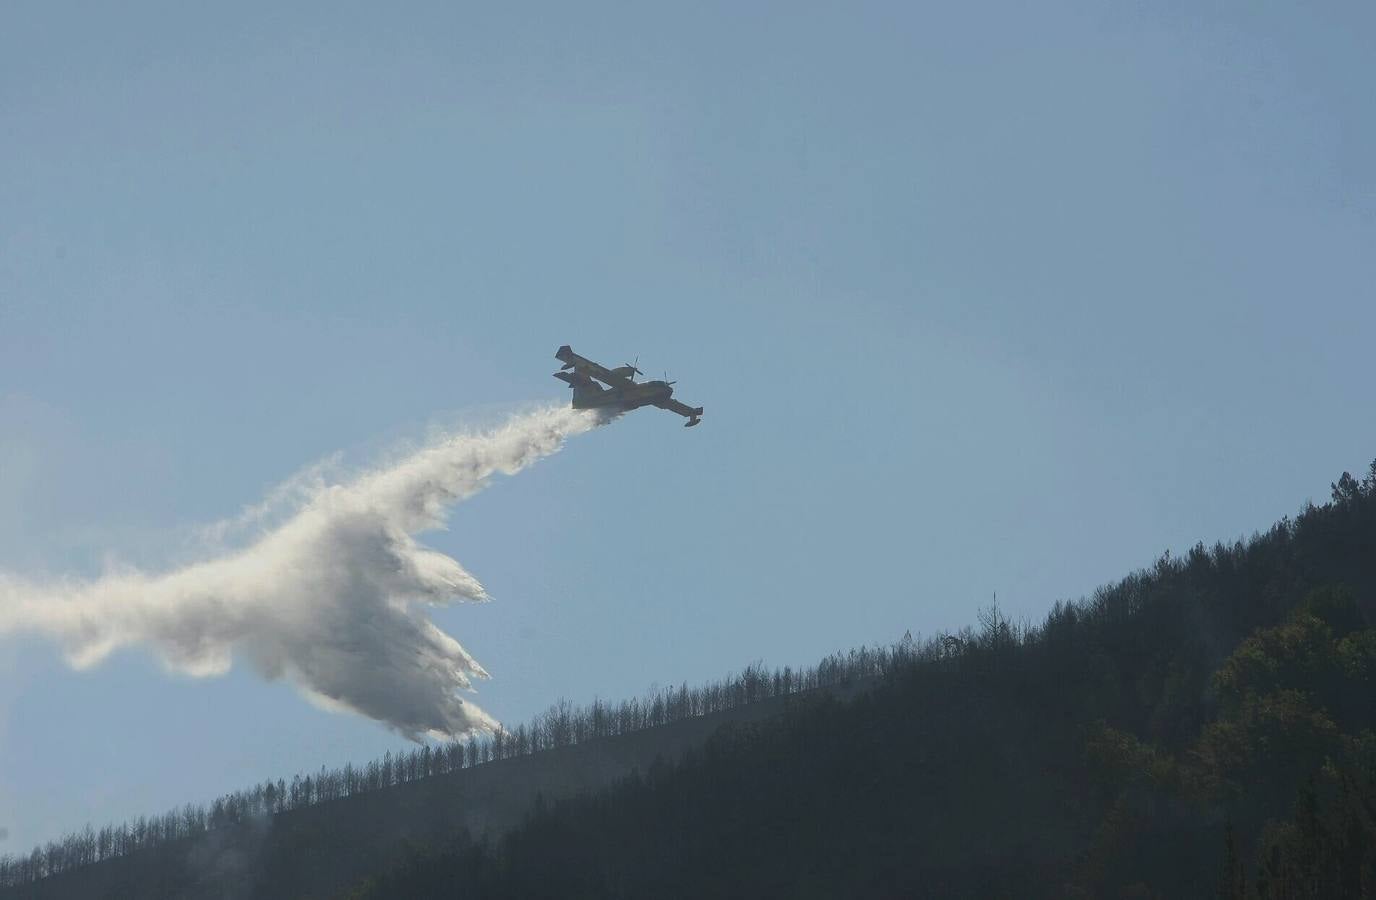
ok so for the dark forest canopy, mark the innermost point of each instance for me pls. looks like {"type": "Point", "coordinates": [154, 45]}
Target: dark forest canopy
{"type": "Point", "coordinates": [1203, 727]}
{"type": "Point", "coordinates": [562, 725]}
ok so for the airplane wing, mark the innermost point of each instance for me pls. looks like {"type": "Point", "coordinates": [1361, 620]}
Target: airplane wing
{"type": "Point", "coordinates": [692, 413]}
{"type": "Point", "coordinates": [586, 366]}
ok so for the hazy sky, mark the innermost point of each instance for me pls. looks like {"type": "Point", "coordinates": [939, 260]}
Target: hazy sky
{"type": "Point", "coordinates": [978, 297]}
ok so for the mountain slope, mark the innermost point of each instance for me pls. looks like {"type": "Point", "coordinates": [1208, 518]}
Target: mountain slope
{"type": "Point", "coordinates": [320, 849]}
{"type": "Point", "coordinates": [1204, 728]}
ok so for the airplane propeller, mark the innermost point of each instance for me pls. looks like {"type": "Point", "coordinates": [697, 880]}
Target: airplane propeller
{"type": "Point", "coordinates": [632, 367]}
{"type": "Point", "coordinates": [666, 378]}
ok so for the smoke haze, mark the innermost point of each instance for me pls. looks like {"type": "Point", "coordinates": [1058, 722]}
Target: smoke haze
{"type": "Point", "coordinates": [332, 596]}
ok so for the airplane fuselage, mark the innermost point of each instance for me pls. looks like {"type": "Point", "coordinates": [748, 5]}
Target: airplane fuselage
{"type": "Point", "coordinates": [647, 393]}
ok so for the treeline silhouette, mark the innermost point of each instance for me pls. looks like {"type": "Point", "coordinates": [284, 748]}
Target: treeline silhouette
{"type": "Point", "coordinates": [562, 725]}
{"type": "Point", "coordinates": [1203, 728]}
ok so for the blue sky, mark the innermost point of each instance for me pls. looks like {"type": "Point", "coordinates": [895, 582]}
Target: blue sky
{"type": "Point", "coordinates": [978, 297]}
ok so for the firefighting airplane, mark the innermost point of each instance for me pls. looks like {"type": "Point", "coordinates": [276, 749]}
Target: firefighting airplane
{"type": "Point", "coordinates": [622, 391]}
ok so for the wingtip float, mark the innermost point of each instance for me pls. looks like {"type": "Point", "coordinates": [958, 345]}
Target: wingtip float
{"type": "Point", "coordinates": [621, 392]}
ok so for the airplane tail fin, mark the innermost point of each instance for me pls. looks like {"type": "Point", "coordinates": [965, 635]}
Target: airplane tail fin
{"type": "Point", "coordinates": [695, 419]}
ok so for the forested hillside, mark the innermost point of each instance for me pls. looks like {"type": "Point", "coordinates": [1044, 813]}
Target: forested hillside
{"type": "Point", "coordinates": [1203, 728]}
{"type": "Point", "coordinates": [318, 833]}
